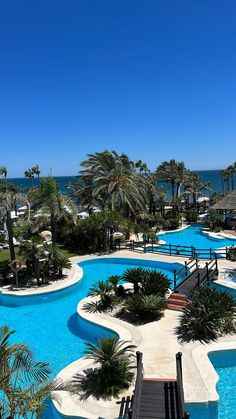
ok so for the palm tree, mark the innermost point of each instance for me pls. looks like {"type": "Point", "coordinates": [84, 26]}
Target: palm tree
{"type": "Point", "coordinates": [167, 172]}
{"type": "Point", "coordinates": [48, 198]}
{"type": "Point", "coordinates": [222, 174]}
{"type": "Point", "coordinates": [83, 193]}
{"type": "Point", "coordinates": [8, 202]}
{"type": "Point", "coordinates": [104, 290]}
{"type": "Point", "coordinates": [181, 176]}
{"type": "Point", "coordinates": [114, 372]}
{"type": "Point", "coordinates": [30, 174]}
{"type": "Point", "coordinates": [24, 383]}
{"type": "Point", "coordinates": [115, 181]}
{"type": "Point", "coordinates": [139, 165]}
{"type": "Point", "coordinates": [135, 276]}
{"type": "Point", "coordinates": [191, 185]}
{"type": "Point", "coordinates": [144, 308]}
{"type": "Point", "coordinates": [36, 171]}
{"type": "Point", "coordinates": [231, 172]}
{"type": "Point", "coordinates": [3, 172]}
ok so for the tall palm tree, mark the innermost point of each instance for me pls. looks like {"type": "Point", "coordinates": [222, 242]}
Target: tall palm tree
{"type": "Point", "coordinates": [115, 181]}
{"type": "Point", "coordinates": [83, 193]}
{"type": "Point", "coordinates": [167, 172]}
{"type": "Point", "coordinates": [48, 198]}
{"type": "Point", "coordinates": [139, 165]}
{"type": "Point", "coordinates": [181, 176]}
{"type": "Point", "coordinates": [222, 174]}
{"type": "Point", "coordinates": [36, 171]}
{"type": "Point", "coordinates": [231, 172]}
{"type": "Point", "coordinates": [3, 172]}
{"type": "Point", "coordinates": [8, 202]}
{"type": "Point", "coordinates": [192, 185]}
{"type": "Point", "coordinates": [30, 174]}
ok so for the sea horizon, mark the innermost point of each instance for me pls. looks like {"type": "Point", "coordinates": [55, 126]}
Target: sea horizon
{"type": "Point", "coordinates": [211, 175]}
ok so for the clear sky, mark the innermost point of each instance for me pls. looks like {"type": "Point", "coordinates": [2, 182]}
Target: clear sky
{"type": "Point", "coordinates": [155, 79]}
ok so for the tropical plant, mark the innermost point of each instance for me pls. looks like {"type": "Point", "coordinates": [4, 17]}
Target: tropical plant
{"type": "Point", "coordinates": [5, 271]}
{"type": "Point", "coordinates": [36, 171]}
{"type": "Point", "coordinates": [48, 198]}
{"type": "Point", "coordinates": [140, 308]}
{"type": "Point", "coordinates": [104, 290]}
{"type": "Point", "coordinates": [114, 371]}
{"type": "Point", "coordinates": [29, 174]}
{"type": "Point", "coordinates": [155, 282]}
{"type": "Point", "coordinates": [25, 385]}
{"type": "Point", "coordinates": [3, 172]}
{"type": "Point", "coordinates": [208, 315]}
{"type": "Point", "coordinates": [8, 202]}
{"type": "Point", "coordinates": [114, 281]}
{"type": "Point", "coordinates": [135, 276]}
{"type": "Point", "coordinates": [115, 182]}
{"type": "Point", "coordinates": [231, 253]}
{"type": "Point", "coordinates": [32, 251]}
{"type": "Point", "coordinates": [167, 172]}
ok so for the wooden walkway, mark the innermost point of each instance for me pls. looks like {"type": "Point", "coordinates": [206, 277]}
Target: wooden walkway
{"type": "Point", "coordinates": [158, 400]}
{"type": "Point", "coordinates": [197, 278]}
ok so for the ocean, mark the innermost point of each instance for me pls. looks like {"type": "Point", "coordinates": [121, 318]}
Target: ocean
{"type": "Point", "coordinates": [63, 181]}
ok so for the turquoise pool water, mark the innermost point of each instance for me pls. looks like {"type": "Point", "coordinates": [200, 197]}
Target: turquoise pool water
{"type": "Point", "coordinates": [193, 236]}
{"type": "Point", "coordinates": [224, 363]}
{"type": "Point", "coordinates": [49, 323]}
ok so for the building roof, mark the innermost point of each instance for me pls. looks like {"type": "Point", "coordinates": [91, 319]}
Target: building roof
{"type": "Point", "coordinates": [226, 203]}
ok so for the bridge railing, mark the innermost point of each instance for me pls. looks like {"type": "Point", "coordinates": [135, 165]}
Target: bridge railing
{"type": "Point", "coordinates": [182, 414]}
{"type": "Point", "coordinates": [134, 410]}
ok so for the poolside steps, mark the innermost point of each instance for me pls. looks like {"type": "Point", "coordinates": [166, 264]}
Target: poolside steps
{"type": "Point", "coordinates": [177, 301]}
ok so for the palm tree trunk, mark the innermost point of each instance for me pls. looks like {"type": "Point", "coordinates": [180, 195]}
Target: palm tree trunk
{"type": "Point", "coordinates": [223, 185]}
{"type": "Point", "coordinates": [173, 189]}
{"type": "Point", "coordinates": [53, 230]}
{"type": "Point", "coordinates": [10, 236]}
{"type": "Point", "coordinates": [232, 182]}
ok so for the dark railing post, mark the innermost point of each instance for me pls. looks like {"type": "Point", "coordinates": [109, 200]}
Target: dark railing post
{"type": "Point", "coordinates": [207, 271]}
{"type": "Point", "coordinates": [170, 250]}
{"type": "Point", "coordinates": [152, 246]}
{"type": "Point", "coordinates": [174, 279]}
{"type": "Point", "coordinates": [192, 251]}
{"type": "Point", "coordinates": [186, 267]}
{"type": "Point", "coordinates": [144, 246]}
{"type": "Point", "coordinates": [180, 389]}
{"type": "Point", "coordinates": [210, 253]}
{"type": "Point", "coordinates": [216, 262]}
{"type": "Point", "coordinates": [198, 279]}
{"type": "Point", "coordinates": [226, 253]}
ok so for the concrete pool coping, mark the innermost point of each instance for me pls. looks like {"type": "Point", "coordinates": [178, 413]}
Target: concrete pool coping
{"type": "Point", "coordinates": [73, 276]}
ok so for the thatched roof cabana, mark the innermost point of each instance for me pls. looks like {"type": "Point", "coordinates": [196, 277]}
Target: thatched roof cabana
{"type": "Point", "coordinates": [227, 203]}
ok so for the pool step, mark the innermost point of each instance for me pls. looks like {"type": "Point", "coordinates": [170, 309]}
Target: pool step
{"type": "Point", "coordinates": [177, 301]}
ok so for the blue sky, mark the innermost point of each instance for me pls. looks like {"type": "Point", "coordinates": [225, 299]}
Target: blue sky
{"type": "Point", "coordinates": [155, 79]}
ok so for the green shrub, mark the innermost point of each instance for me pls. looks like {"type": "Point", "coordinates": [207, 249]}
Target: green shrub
{"type": "Point", "coordinates": [209, 314]}
{"type": "Point", "coordinates": [5, 270]}
{"type": "Point", "coordinates": [231, 253]}
{"type": "Point", "coordinates": [115, 371]}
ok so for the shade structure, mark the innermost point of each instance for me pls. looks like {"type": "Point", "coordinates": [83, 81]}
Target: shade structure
{"type": "Point", "coordinates": [227, 203]}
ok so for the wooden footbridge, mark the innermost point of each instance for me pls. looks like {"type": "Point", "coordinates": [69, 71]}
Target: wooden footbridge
{"type": "Point", "coordinates": [190, 277]}
{"type": "Point", "coordinates": [156, 398]}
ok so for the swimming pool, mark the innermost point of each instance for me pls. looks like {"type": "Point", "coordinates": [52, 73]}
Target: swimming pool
{"type": "Point", "coordinates": [194, 236]}
{"type": "Point", "coordinates": [224, 363]}
{"type": "Point", "coordinates": [49, 323]}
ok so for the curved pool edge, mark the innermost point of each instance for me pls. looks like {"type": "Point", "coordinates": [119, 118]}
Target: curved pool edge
{"type": "Point", "coordinates": [200, 356]}
{"type": "Point", "coordinates": [72, 406]}
{"type": "Point", "coordinates": [74, 276]}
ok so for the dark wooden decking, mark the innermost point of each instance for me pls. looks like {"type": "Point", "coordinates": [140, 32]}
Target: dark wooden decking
{"type": "Point", "coordinates": [158, 400]}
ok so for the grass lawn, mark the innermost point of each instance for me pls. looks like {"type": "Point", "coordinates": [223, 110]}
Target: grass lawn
{"type": "Point", "coordinates": [5, 254]}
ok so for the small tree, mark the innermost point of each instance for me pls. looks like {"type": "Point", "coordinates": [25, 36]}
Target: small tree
{"type": "Point", "coordinates": [231, 253]}
{"type": "Point", "coordinates": [104, 290]}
